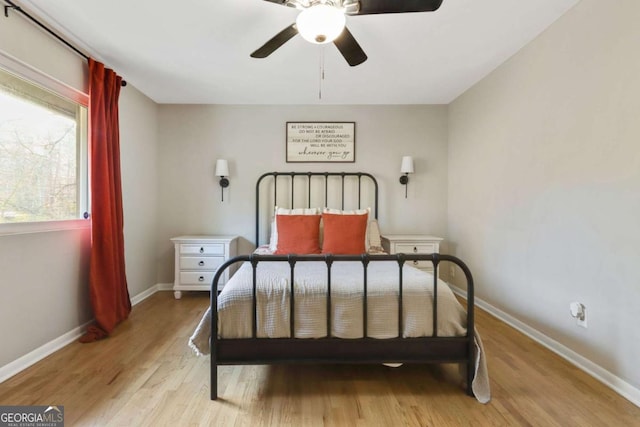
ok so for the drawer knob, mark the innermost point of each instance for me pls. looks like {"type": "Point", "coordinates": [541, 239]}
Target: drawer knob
{"type": "Point", "coordinates": [201, 250]}
{"type": "Point", "coordinates": [201, 279]}
{"type": "Point", "coordinates": [201, 263]}
{"type": "Point", "coordinates": [415, 249]}
{"type": "Point", "coordinates": [415, 262]}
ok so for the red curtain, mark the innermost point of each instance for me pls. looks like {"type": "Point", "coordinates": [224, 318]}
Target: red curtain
{"type": "Point", "coordinates": [107, 280]}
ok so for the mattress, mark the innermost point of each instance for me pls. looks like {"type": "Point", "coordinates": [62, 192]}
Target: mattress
{"type": "Point", "coordinates": [347, 295]}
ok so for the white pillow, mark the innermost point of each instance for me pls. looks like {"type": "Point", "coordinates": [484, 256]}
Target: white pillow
{"type": "Point", "coordinates": [375, 241]}
{"type": "Point", "coordinates": [273, 240]}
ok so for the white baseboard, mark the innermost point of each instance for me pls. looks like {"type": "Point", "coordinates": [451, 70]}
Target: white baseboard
{"type": "Point", "coordinates": [137, 299]}
{"type": "Point", "coordinates": [165, 286]}
{"type": "Point", "coordinates": [22, 363]}
{"type": "Point", "coordinates": [614, 382]}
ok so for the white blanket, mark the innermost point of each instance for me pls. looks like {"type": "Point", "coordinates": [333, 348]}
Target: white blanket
{"type": "Point", "coordinates": [273, 286]}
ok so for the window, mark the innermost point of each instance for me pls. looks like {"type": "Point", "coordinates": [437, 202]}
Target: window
{"type": "Point", "coordinates": [43, 153]}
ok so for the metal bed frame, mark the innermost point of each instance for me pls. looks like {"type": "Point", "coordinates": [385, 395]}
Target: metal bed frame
{"type": "Point", "coordinates": [254, 350]}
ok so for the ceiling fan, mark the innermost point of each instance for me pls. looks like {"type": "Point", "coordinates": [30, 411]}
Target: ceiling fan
{"type": "Point", "coordinates": [323, 21]}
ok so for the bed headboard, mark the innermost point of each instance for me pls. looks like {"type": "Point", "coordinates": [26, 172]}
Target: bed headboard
{"type": "Point", "coordinates": [343, 190]}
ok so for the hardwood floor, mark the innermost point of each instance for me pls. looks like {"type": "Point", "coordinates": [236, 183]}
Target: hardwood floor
{"type": "Point", "coordinates": [145, 374]}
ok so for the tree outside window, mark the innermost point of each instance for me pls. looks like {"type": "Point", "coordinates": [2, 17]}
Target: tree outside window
{"type": "Point", "coordinates": [40, 145]}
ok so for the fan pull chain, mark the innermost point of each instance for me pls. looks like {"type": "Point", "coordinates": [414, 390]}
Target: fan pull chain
{"type": "Point", "coordinates": [321, 75]}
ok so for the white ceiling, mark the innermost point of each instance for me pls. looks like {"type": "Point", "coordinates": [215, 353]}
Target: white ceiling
{"type": "Point", "coordinates": [196, 51]}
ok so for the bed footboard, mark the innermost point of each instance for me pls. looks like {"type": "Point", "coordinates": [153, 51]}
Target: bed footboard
{"type": "Point", "coordinates": [433, 349]}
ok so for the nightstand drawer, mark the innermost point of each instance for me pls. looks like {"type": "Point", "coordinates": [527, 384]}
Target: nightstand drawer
{"type": "Point", "coordinates": [200, 263]}
{"type": "Point", "coordinates": [196, 278]}
{"type": "Point", "coordinates": [204, 249]}
{"type": "Point", "coordinates": [410, 244]}
{"type": "Point", "coordinates": [418, 248]}
{"type": "Point", "coordinates": [423, 265]}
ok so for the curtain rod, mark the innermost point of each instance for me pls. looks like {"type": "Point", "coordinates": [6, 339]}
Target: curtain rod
{"type": "Point", "coordinates": [17, 8]}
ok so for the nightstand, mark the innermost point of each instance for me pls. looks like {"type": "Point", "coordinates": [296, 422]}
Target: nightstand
{"type": "Point", "coordinates": [198, 259]}
{"type": "Point", "coordinates": [413, 244]}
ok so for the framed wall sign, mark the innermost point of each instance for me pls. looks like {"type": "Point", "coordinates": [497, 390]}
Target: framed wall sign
{"type": "Point", "coordinates": [321, 142]}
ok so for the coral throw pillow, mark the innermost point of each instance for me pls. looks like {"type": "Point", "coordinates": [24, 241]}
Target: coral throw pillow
{"type": "Point", "coordinates": [344, 234]}
{"type": "Point", "coordinates": [298, 234]}
{"type": "Point", "coordinates": [273, 241]}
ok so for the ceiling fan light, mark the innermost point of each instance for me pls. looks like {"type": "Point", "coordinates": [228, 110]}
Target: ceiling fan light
{"type": "Point", "coordinates": [320, 23]}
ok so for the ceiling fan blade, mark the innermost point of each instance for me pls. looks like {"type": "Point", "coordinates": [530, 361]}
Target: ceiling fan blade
{"type": "Point", "coordinates": [278, 40]}
{"type": "Point", "coordinates": [370, 7]}
{"type": "Point", "coordinates": [349, 48]}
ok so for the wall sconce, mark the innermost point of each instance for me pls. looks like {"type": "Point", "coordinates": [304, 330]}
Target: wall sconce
{"type": "Point", "coordinates": [222, 170]}
{"type": "Point", "coordinates": [406, 168]}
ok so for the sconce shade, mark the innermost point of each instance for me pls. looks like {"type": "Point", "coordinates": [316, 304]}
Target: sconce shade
{"type": "Point", "coordinates": [407, 165]}
{"type": "Point", "coordinates": [222, 168]}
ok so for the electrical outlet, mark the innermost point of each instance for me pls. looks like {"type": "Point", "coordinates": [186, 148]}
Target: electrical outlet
{"type": "Point", "coordinates": [583, 321]}
{"type": "Point", "coordinates": [452, 271]}
{"type": "Point", "coordinates": [579, 312]}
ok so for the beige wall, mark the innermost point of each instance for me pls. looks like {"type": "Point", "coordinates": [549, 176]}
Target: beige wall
{"type": "Point", "coordinates": [139, 163]}
{"type": "Point", "coordinates": [252, 139]}
{"type": "Point", "coordinates": [21, 39]}
{"type": "Point", "coordinates": [544, 180]}
{"type": "Point", "coordinates": [44, 275]}
{"type": "Point", "coordinates": [44, 288]}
